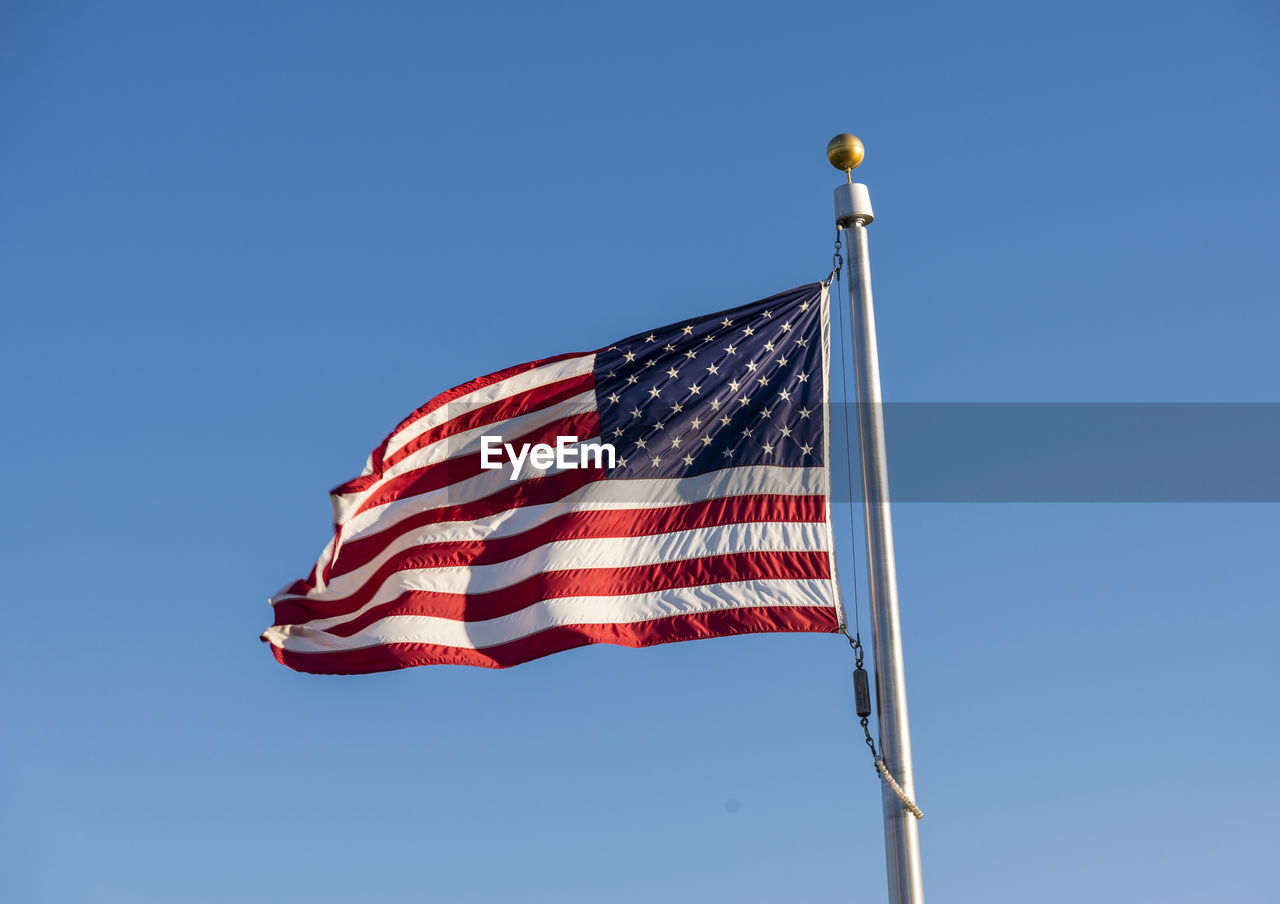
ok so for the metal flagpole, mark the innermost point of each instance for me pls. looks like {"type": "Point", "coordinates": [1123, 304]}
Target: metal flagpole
{"type": "Point", "coordinates": [901, 833]}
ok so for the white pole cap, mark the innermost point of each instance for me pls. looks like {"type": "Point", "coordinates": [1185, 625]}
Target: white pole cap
{"type": "Point", "coordinates": [853, 202]}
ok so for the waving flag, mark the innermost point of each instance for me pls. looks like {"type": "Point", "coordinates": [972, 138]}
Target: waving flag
{"type": "Point", "coordinates": [480, 534]}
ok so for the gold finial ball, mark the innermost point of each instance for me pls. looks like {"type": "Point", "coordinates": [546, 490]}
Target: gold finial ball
{"type": "Point", "coordinates": [845, 151]}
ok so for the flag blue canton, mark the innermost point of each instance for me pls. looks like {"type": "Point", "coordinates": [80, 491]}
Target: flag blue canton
{"type": "Point", "coordinates": [741, 387]}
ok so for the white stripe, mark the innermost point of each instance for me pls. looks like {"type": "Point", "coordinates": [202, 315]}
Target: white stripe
{"type": "Point", "coordinates": [530, 379]}
{"type": "Point", "coordinates": [471, 489]}
{"type": "Point", "coordinates": [605, 494]}
{"type": "Point", "coordinates": [590, 610]}
{"type": "Point", "coordinates": [593, 497]}
{"type": "Point", "coordinates": [592, 552]}
{"type": "Point", "coordinates": [511, 428]}
{"type": "Point", "coordinates": [465, 443]}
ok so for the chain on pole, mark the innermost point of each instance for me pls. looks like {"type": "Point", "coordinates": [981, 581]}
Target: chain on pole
{"type": "Point", "coordinates": [862, 696]}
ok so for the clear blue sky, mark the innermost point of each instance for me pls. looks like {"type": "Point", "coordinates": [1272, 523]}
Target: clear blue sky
{"type": "Point", "coordinates": [240, 241]}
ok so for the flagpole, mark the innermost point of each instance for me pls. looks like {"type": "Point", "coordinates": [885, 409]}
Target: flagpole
{"type": "Point", "coordinates": [901, 832]}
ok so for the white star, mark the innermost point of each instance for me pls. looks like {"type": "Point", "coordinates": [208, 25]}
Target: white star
{"type": "Point", "coordinates": [726, 322]}
{"type": "Point", "coordinates": [715, 404]}
{"type": "Point", "coordinates": [706, 440]}
{"type": "Point", "coordinates": [668, 347]}
{"type": "Point", "coordinates": [802, 342]}
{"type": "Point", "coordinates": [727, 453]}
{"type": "Point", "coordinates": [622, 462]}
{"type": "Point", "coordinates": [768, 448]}
{"type": "Point", "coordinates": [713, 369]}
{"type": "Point", "coordinates": [733, 385]}
{"type": "Point", "coordinates": [696, 423]}
{"type": "Point", "coordinates": [613, 397]}
{"type": "Point", "coordinates": [695, 388]}
{"type": "Point", "coordinates": [656, 461]}
{"type": "Point", "coordinates": [688, 459]}
{"type": "Point", "coordinates": [617, 431]}
{"type": "Point", "coordinates": [768, 313]}
{"type": "Point", "coordinates": [748, 331]}
{"type": "Point", "coordinates": [640, 443]}
{"type": "Point", "coordinates": [785, 431]}
{"type": "Point", "coordinates": [766, 412]}
{"type": "Point", "coordinates": [802, 377]}
{"type": "Point", "coordinates": [708, 338]}
{"type": "Point", "coordinates": [690, 354]}
{"type": "Point", "coordinates": [629, 355]}
{"type": "Point", "coordinates": [745, 400]}
{"type": "Point", "coordinates": [806, 449]}
{"type": "Point", "coordinates": [632, 379]}
{"type": "Point", "coordinates": [768, 346]}
{"type": "Point", "coordinates": [746, 431]}
{"type": "Point", "coordinates": [636, 412]}
{"type": "Point", "coordinates": [672, 373]}
{"type": "Point", "coordinates": [675, 441]}
{"type": "Point", "coordinates": [805, 412]}
{"type": "Point", "coordinates": [688, 330]}
{"type": "Point", "coordinates": [763, 381]}
{"type": "Point", "coordinates": [785, 395]}
{"type": "Point", "coordinates": [654, 392]}
{"type": "Point", "coordinates": [650, 363]}
{"type": "Point", "coordinates": [610, 374]}
{"type": "Point", "coordinates": [731, 349]}
{"type": "Point", "coordinates": [677, 408]}
{"type": "Point", "coordinates": [650, 338]}
{"type": "Point", "coordinates": [751, 366]}
{"type": "Point", "coordinates": [659, 426]}
{"type": "Point", "coordinates": [786, 327]}
{"type": "Point", "coordinates": [782, 359]}
{"type": "Point", "coordinates": [724, 419]}
{"type": "Point", "coordinates": [805, 306]}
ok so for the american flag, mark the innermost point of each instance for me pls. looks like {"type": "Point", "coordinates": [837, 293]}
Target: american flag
{"type": "Point", "coordinates": [713, 520]}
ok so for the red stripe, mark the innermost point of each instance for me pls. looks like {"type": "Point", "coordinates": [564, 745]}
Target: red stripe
{"type": "Point", "coordinates": [719, 569]}
{"type": "Point", "coordinates": [446, 473]}
{"type": "Point", "coordinates": [747, 620]}
{"type": "Point", "coordinates": [526, 402]}
{"type": "Point", "coordinates": [534, 491]}
{"type": "Point", "coordinates": [457, 392]}
{"type": "Point", "coordinates": [602, 524]}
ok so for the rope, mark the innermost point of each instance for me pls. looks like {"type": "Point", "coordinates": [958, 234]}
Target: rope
{"type": "Point", "coordinates": [838, 260]}
{"type": "Point", "coordinates": [856, 640]}
{"type": "Point", "coordinates": [907, 802]}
